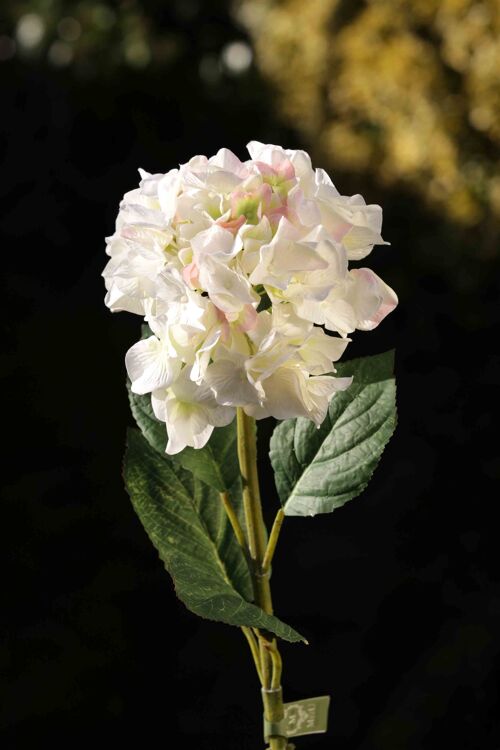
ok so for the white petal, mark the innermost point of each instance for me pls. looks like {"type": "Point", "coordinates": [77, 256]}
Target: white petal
{"type": "Point", "coordinates": [339, 316]}
{"type": "Point", "coordinates": [202, 357]}
{"type": "Point", "coordinates": [187, 424]}
{"type": "Point", "coordinates": [296, 256]}
{"type": "Point", "coordinates": [118, 301]}
{"type": "Point", "coordinates": [309, 309]}
{"type": "Point", "coordinates": [226, 160]}
{"type": "Point", "coordinates": [372, 298]}
{"type": "Point", "coordinates": [229, 290]}
{"type": "Point", "coordinates": [229, 382]}
{"type": "Point", "coordinates": [255, 149]}
{"type": "Point", "coordinates": [285, 320]}
{"type": "Point", "coordinates": [320, 391]}
{"type": "Point", "coordinates": [221, 416]}
{"type": "Point", "coordinates": [306, 210]}
{"type": "Point", "coordinates": [323, 178]}
{"type": "Point", "coordinates": [149, 367]}
{"type": "Point", "coordinates": [285, 392]}
{"type": "Point", "coordinates": [302, 164]}
{"type": "Point", "coordinates": [215, 241]}
{"type": "Point", "coordinates": [158, 399]}
{"type": "Point", "coordinates": [168, 190]}
{"type": "Point", "coordinates": [320, 350]}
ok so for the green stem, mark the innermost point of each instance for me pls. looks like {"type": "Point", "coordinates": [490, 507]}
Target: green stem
{"type": "Point", "coordinates": [273, 540]}
{"type": "Point", "coordinates": [233, 520]}
{"type": "Point", "coordinates": [277, 667]}
{"type": "Point", "coordinates": [254, 648]}
{"type": "Point", "coordinates": [256, 530]}
{"type": "Point", "coordinates": [269, 659]}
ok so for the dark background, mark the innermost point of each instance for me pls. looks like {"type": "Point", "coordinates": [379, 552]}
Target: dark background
{"type": "Point", "coordinates": [396, 592]}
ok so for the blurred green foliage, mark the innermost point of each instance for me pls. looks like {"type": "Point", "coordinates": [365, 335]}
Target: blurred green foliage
{"type": "Point", "coordinates": [408, 90]}
{"type": "Point", "coordinates": [404, 91]}
{"type": "Point", "coordinates": [94, 38]}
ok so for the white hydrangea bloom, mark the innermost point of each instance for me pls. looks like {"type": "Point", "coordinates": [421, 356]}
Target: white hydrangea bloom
{"type": "Point", "coordinates": [238, 268]}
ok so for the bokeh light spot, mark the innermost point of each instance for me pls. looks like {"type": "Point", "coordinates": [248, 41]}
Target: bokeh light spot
{"type": "Point", "coordinates": [237, 57]}
{"type": "Point", "coordinates": [137, 53]}
{"type": "Point", "coordinates": [60, 54]}
{"type": "Point", "coordinates": [69, 29]}
{"type": "Point", "coordinates": [30, 30]}
{"type": "Point", "coordinates": [103, 17]}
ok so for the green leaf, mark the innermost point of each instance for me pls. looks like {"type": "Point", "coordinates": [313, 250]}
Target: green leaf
{"type": "Point", "coordinates": [318, 470]}
{"type": "Point", "coordinates": [186, 522]}
{"type": "Point", "coordinates": [216, 464]}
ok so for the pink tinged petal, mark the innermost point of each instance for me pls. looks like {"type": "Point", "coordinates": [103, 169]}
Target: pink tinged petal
{"type": "Point", "coordinates": [365, 223]}
{"type": "Point", "coordinates": [338, 228]}
{"type": "Point", "coordinates": [265, 194]}
{"type": "Point", "coordinates": [251, 204]}
{"type": "Point", "coordinates": [248, 318]}
{"type": "Point", "coordinates": [190, 275]}
{"type": "Point", "coordinates": [302, 209]}
{"type": "Point", "coordinates": [225, 326]}
{"type": "Point", "coordinates": [286, 170]}
{"type": "Point", "coordinates": [276, 214]}
{"type": "Point", "coordinates": [232, 225]}
{"type": "Point", "coordinates": [266, 170]}
{"type": "Point", "coordinates": [385, 298]}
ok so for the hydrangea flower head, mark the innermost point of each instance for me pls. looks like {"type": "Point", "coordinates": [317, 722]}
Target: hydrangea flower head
{"type": "Point", "coordinates": [241, 270]}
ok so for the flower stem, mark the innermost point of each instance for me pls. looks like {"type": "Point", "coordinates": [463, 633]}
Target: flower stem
{"type": "Point", "coordinates": [269, 657]}
{"type": "Point", "coordinates": [273, 540]}
{"type": "Point", "coordinates": [256, 530]}
{"type": "Point", "coordinates": [254, 648]}
{"type": "Point", "coordinates": [233, 519]}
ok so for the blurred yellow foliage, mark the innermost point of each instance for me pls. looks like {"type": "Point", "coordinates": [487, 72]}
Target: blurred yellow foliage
{"type": "Point", "coordinates": [406, 90]}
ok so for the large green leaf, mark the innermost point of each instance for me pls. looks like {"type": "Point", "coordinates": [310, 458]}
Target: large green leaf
{"type": "Point", "coordinates": [318, 470]}
{"type": "Point", "coordinates": [216, 464]}
{"type": "Point", "coordinates": [186, 522]}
